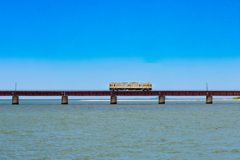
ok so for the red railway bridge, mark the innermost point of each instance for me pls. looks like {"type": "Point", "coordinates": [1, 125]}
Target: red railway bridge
{"type": "Point", "coordinates": [113, 94]}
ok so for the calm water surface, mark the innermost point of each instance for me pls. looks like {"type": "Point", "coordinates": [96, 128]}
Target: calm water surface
{"type": "Point", "coordinates": [40, 129]}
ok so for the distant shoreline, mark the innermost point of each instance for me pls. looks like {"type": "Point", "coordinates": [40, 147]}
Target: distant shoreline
{"type": "Point", "coordinates": [168, 100]}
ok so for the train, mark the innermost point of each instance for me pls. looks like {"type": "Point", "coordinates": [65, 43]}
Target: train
{"type": "Point", "coordinates": [130, 86]}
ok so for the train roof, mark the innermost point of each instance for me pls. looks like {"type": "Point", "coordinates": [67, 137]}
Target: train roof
{"type": "Point", "coordinates": [130, 82]}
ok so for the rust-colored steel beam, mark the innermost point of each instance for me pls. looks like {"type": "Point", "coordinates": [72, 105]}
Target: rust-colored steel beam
{"type": "Point", "coordinates": [119, 93]}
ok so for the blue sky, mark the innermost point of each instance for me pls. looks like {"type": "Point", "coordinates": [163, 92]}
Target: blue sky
{"type": "Point", "coordinates": [84, 45]}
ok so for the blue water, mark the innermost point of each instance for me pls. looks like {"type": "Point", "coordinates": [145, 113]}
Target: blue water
{"type": "Point", "coordinates": [45, 129]}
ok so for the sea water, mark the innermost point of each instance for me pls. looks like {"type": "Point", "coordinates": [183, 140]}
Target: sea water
{"type": "Point", "coordinates": [45, 129]}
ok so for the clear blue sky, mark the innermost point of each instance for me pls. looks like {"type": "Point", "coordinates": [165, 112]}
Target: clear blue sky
{"type": "Point", "coordinates": [82, 45]}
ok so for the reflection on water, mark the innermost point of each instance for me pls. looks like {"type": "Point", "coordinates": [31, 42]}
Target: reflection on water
{"type": "Point", "coordinates": [45, 129]}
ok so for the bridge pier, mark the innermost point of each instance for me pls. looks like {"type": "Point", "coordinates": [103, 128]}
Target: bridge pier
{"type": "Point", "coordinates": [161, 100]}
{"type": "Point", "coordinates": [64, 99]}
{"type": "Point", "coordinates": [113, 100]}
{"type": "Point", "coordinates": [15, 100]}
{"type": "Point", "coordinates": [208, 99]}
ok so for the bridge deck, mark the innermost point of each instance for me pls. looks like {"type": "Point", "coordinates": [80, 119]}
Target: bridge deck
{"type": "Point", "coordinates": [119, 93]}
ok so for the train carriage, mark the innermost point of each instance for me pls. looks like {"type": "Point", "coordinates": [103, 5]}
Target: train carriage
{"type": "Point", "coordinates": [130, 86]}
